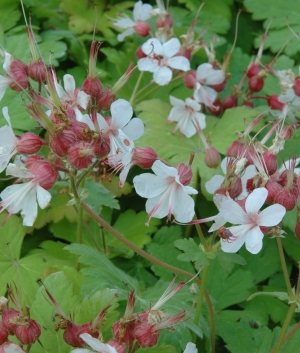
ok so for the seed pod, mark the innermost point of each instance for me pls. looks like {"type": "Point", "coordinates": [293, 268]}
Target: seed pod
{"type": "Point", "coordinates": [28, 334]}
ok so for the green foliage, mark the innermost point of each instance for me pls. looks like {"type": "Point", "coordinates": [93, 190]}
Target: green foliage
{"type": "Point", "coordinates": [163, 348]}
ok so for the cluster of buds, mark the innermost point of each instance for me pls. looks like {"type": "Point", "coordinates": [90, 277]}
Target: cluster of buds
{"type": "Point", "coordinates": [16, 323]}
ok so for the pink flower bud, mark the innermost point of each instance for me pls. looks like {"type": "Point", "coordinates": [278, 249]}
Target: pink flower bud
{"type": "Point", "coordinates": [146, 335]}
{"type": "Point", "coordinates": [253, 70]}
{"type": "Point", "coordinates": [12, 347]}
{"type": "Point", "coordinates": [297, 87]}
{"type": "Point", "coordinates": [256, 84]}
{"type": "Point", "coordinates": [142, 28]}
{"type": "Point", "coordinates": [80, 130]}
{"type": "Point", "coordinates": [44, 173]}
{"type": "Point", "coordinates": [37, 71]}
{"type": "Point", "coordinates": [140, 54]}
{"type": "Point", "coordinates": [29, 332]}
{"type": "Point", "coordinates": [72, 334]}
{"type": "Point", "coordinates": [219, 87]}
{"type": "Point", "coordinates": [286, 198]}
{"type": "Point", "coordinates": [3, 332]}
{"type": "Point", "coordinates": [81, 155]}
{"type": "Point", "coordinates": [61, 142]}
{"type": "Point", "coordinates": [19, 73]}
{"type": "Point", "coordinates": [144, 157]}
{"type": "Point", "coordinates": [92, 86]}
{"type": "Point", "coordinates": [248, 104]}
{"type": "Point", "coordinates": [105, 100]}
{"type": "Point", "coordinates": [212, 157]}
{"type": "Point", "coordinates": [288, 132]}
{"type": "Point", "coordinates": [230, 102]}
{"type": "Point", "coordinates": [29, 143]}
{"type": "Point", "coordinates": [117, 346]}
{"type": "Point", "coordinates": [236, 148]}
{"type": "Point", "coordinates": [217, 108]}
{"type": "Point", "coordinates": [164, 22]}
{"type": "Point", "coordinates": [274, 103]}
{"type": "Point", "coordinates": [270, 162]}
{"type": "Point", "coordinates": [101, 146]}
{"type": "Point", "coordinates": [8, 316]}
{"type": "Point", "coordinates": [273, 189]}
{"type": "Point", "coordinates": [297, 227]}
{"type": "Point", "coordinates": [190, 79]}
{"type": "Point", "coordinates": [185, 173]}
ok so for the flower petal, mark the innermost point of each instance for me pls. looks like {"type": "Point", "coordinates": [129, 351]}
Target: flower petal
{"type": "Point", "coordinates": [233, 212]}
{"type": "Point", "coordinates": [171, 47]}
{"type": "Point", "coordinates": [124, 22]}
{"type": "Point", "coordinates": [183, 206]}
{"type": "Point", "coordinates": [121, 112]}
{"type": "Point", "coordinates": [29, 208]}
{"type": "Point", "coordinates": [179, 63]}
{"type": "Point", "coordinates": [191, 348]}
{"type": "Point", "coordinates": [4, 84]}
{"type": "Point", "coordinates": [164, 171]}
{"type": "Point", "coordinates": [69, 84]}
{"type": "Point", "coordinates": [96, 344]}
{"type": "Point", "coordinates": [18, 171]}
{"type": "Point", "coordinates": [128, 32]}
{"type": "Point", "coordinates": [152, 46]}
{"type": "Point", "coordinates": [43, 197]}
{"type": "Point", "coordinates": [134, 129]}
{"type": "Point", "coordinates": [161, 204]}
{"type": "Point", "coordinates": [148, 64]}
{"type": "Point", "coordinates": [271, 215]}
{"type": "Point", "coordinates": [254, 240]}
{"type": "Point", "coordinates": [235, 244]}
{"type": "Point", "coordinates": [214, 183]}
{"type": "Point", "coordinates": [163, 75]}
{"type": "Point", "coordinates": [255, 200]}
{"type": "Point", "coordinates": [149, 185]}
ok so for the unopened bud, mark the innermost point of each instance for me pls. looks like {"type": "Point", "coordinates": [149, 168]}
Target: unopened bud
{"type": "Point", "coordinates": [72, 334]}
{"type": "Point", "coordinates": [81, 155]}
{"type": "Point", "coordinates": [253, 70]}
{"type": "Point", "coordinates": [105, 100]}
{"type": "Point", "coordinates": [297, 87]}
{"type": "Point", "coordinates": [29, 332]}
{"type": "Point", "coordinates": [142, 28]}
{"type": "Point", "coordinates": [217, 108]}
{"type": "Point", "coordinates": [256, 83]}
{"type": "Point", "coordinates": [3, 332]}
{"type": "Point", "coordinates": [61, 142]}
{"type": "Point", "coordinates": [19, 73]}
{"type": "Point", "coordinates": [29, 143]}
{"type": "Point", "coordinates": [144, 157]}
{"type": "Point", "coordinates": [270, 162]}
{"type": "Point", "coordinates": [248, 104]}
{"type": "Point", "coordinates": [101, 147]}
{"type": "Point", "coordinates": [297, 227]}
{"type": "Point", "coordinates": [8, 316]}
{"type": "Point", "coordinates": [212, 157]}
{"type": "Point", "coordinates": [185, 173]}
{"type": "Point", "coordinates": [44, 173]}
{"type": "Point", "coordinates": [236, 149]}
{"type": "Point", "coordinates": [230, 102]}
{"type": "Point", "coordinates": [164, 22]}
{"type": "Point", "coordinates": [37, 71]}
{"type": "Point", "coordinates": [92, 86]}
{"type": "Point", "coordinates": [288, 132]}
{"type": "Point", "coordinates": [286, 198]}
{"type": "Point", "coordinates": [117, 346]}
{"type": "Point", "coordinates": [146, 335]}
{"type": "Point", "coordinates": [219, 87]}
{"type": "Point", "coordinates": [190, 79]}
{"type": "Point", "coordinates": [273, 189]}
{"type": "Point", "coordinates": [274, 103]}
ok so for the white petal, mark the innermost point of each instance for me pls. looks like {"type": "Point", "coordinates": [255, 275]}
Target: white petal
{"type": "Point", "coordinates": [193, 104]}
{"type": "Point", "coordinates": [128, 32]}
{"type": "Point", "coordinates": [234, 245]}
{"type": "Point", "coordinates": [43, 197]}
{"type": "Point", "coordinates": [6, 116]}
{"type": "Point", "coordinates": [164, 171]}
{"type": "Point", "coordinates": [233, 212]}
{"type": "Point", "coordinates": [4, 84]}
{"type": "Point", "coordinates": [103, 123]}
{"type": "Point", "coordinates": [69, 84]}
{"type": "Point", "coordinates": [214, 183]}
{"type": "Point", "coordinates": [271, 215]}
{"type": "Point", "coordinates": [149, 185]}
{"type": "Point", "coordinates": [189, 190]}
{"type": "Point", "coordinates": [134, 129]}
{"type": "Point", "coordinates": [148, 64]}
{"type": "Point", "coordinates": [125, 22]}
{"type": "Point", "coordinates": [18, 171]}
{"type": "Point", "coordinates": [13, 348]}
{"type": "Point", "coordinates": [179, 63]}
{"type": "Point", "coordinates": [160, 203]}
{"type": "Point", "coordinates": [203, 70]}
{"type": "Point", "coordinates": [224, 164]}
{"type": "Point", "coordinates": [178, 103]}
{"type": "Point", "coordinates": [152, 46]}
{"type": "Point", "coordinates": [121, 112]}
{"type": "Point", "coordinates": [162, 76]}
{"type": "Point", "coordinates": [183, 206]}
{"type": "Point", "coordinates": [82, 350]}
{"type": "Point", "coordinates": [255, 200]}
{"type": "Point", "coordinates": [254, 240]}
{"type": "Point", "coordinates": [124, 173]}
{"type": "Point", "coordinates": [82, 99]}
{"type": "Point", "coordinates": [190, 348]}
{"type": "Point", "coordinates": [141, 12]}
{"type": "Point", "coordinates": [171, 47]}
{"type": "Point", "coordinates": [29, 208]}
{"type": "Point", "coordinates": [85, 119]}
{"type": "Point", "coordinates": [96, 344]}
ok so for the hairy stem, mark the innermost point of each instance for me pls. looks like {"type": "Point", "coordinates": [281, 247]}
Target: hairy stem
{"type": "Point", "coordinates": [136, 88]}
{"type": "Point", "coordinates": [284, 268]}
{"type": "Point", "coordinates": [156, 261]}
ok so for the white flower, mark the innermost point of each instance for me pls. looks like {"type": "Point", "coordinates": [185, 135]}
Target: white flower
{"type": "Point", "coordinates": [141, 12]}
{"type": "Point", "coordinates": [216, 181]}
{"type": "Point", "coordinates": [248, 229]}
{"type": "Point", "coordinates": [24, 197]}
{"type": "Point", "coordinates": [166, 195]}
{"type": "Point", "coordinates": [95, 344]}
{"type": "Point", "coordinates": [8, 141]}
{"type": "Point", "coordinates": [121, 130]}
{"type": "Point", "coordinates": [206, 75]}
{"type": "Point", "coordinates": [190, 348]}
{"type": "Point", "coordinates": [160, 58]}
{"type": "Point", "coordinates": [13, 348]}
{"type": "Point", "coordinates": [187, 116]}
{"type": "Point", "coordinates": [4, 80]}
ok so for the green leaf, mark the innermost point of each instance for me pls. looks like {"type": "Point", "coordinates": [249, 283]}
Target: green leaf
{"type": "Point", "coordinates": [163, 348]}
{"type": "Point", "coordinates": [99, 196]}
{"type": "Point", "coordinates": [9, 14]}
{"type": "Point", "coordinates": [132, 226]}
{"type": "Point", "coordinates": [279, 295]}
{"type": "Point", "coordinates": [101, 273]}
{"type": "Point", "coordinates": [193, 252]}
{"type": "Point", "coordinates": [162, 240]}
{"type": "Point", "coordinates": [226, 260]}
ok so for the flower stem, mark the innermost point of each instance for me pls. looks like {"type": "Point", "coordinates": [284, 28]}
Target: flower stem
{"type": "Point", "coordinates": [158, 262]}
{"type": "Point", "coordinates": [284, 268]}
{"type": "Point", "coordinates": [284, 328]}
{"type": "Point", "coordinates": [79, 225]}
{"type": "Point", "coordinates": [201, 236]}
{"type": "Point", "coordinates": [200, 300]}
{"type": "Point", "coordinates": [86, 172]}
{"type": "Point", "coordinates": [136, 88]}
